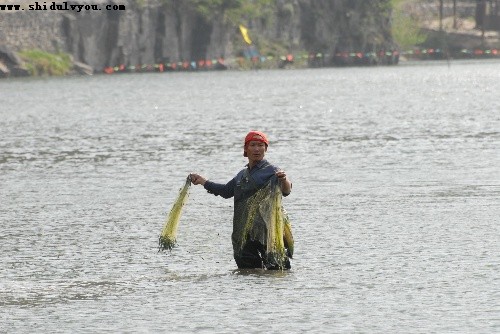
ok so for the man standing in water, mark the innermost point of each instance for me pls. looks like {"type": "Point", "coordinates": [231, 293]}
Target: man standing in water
{"type": "Point", "coordinates": [249, 244]}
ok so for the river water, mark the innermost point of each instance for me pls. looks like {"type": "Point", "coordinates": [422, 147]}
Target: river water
{"type": "Point", "coordinates": [395, 204]}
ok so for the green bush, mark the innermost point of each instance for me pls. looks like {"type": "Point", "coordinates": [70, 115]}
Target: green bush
{"type": "Point", "coordinates": [41, 63]}
{"type": "Point", "coordinates": [405, 29]}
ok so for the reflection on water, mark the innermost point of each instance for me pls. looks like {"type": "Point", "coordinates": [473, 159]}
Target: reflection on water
{"type": "Point", "coordinates": [394, 208]}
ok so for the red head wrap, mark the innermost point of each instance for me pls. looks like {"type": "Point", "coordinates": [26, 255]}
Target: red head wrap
{"type": "Point", "coordinates": [255, 136]}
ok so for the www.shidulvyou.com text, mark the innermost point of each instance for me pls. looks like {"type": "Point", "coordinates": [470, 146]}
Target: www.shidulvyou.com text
{"type": "Point", "coordinates": [62, 6]}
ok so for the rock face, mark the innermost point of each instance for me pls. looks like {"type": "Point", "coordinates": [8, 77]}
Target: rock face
{"type": "Point", "coordinates": [10, 63]}
{"type": "Point", "coordinates": [172, 30]}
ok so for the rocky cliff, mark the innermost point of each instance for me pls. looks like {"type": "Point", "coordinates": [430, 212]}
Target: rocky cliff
{"type": "Point", "coordinates": [154, 31]}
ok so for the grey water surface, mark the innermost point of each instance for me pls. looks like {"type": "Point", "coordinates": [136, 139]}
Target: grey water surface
{"type": "Point", "coordinates": [395, 204]}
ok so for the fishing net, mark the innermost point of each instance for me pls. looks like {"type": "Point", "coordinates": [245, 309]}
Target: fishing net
{"type": "Point", "coordinates": [275, 250]}
{"type": "Point", "coordinates": [168, 236]}
{"type": "Point", "coordinates": [262, 218]}
{"type": "Point", "coordinates": [287, 235]}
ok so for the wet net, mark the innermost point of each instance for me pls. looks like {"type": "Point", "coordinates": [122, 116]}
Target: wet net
{"type": "Point", "coordinates": [168, 236]}
{"type": "Point", "coordinates": [275, 250]}
{"type": "Point", "coordinates": [262, 218]}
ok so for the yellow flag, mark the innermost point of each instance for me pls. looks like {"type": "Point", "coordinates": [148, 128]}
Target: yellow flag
{"type": "Point", "coordinates": [244, 33]}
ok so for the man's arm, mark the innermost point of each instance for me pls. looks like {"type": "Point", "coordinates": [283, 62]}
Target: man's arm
{"type": "Point", "coordinates": [223, 190]}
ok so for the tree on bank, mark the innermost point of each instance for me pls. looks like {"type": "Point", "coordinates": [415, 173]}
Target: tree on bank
{"type": "Point", "coordinates": [405, 29]}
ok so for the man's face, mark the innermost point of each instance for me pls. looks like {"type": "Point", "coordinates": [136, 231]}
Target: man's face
{"type": "Point", "coordinates": [256, 150]}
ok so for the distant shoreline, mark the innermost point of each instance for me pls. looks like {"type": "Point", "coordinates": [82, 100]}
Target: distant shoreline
{"type": "Point", "coordinates": [403, 62]}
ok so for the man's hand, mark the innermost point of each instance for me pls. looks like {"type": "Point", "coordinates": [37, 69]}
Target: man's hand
{"type": "Point", "coordinates": [285, 184]}
{"type": "Point", "coordinates": [197, 179]}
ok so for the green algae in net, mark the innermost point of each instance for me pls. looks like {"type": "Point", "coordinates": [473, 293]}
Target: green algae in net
{"type": "Point", "coordinates": [266, 220]}
{"type": "Point", "coordinates": [275, 251]}
{"type": "Point", "coordinates": [168, 236]}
